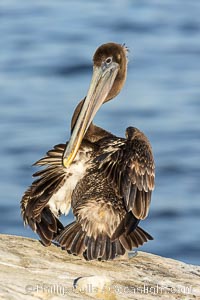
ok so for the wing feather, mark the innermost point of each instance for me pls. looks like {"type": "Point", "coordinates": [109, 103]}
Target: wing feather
{"type": "Point", "coordinates": [128, 164]}
{"type": "Point", "coordinates": [34, 204]}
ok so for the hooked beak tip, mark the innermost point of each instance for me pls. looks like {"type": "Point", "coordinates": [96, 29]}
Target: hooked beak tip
{"type": "Point", "coordinates": [67, 161]}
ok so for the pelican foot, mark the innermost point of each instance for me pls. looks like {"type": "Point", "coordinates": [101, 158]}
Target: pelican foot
{"type": "Point", "coordinates": [132, 254]}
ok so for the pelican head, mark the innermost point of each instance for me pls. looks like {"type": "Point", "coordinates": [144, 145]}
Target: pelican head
{"type": "Point", "coordinates": [109, 75]}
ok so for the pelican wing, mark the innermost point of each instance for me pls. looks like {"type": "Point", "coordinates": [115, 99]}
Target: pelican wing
{"type": "Point", "coordinates": [34, 204]}
{"type": "Point", "coordinates": [128, 164]}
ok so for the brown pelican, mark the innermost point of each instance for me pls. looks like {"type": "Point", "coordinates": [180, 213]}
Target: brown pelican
{"type": "Point", "coordinates": [105, 179]}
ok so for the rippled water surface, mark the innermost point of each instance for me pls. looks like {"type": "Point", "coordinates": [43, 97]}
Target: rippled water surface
{"type": "Point", "coordinates": [45, 69]}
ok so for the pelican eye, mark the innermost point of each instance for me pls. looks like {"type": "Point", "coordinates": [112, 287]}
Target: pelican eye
{"type": "Point", "coordinates": [108, 60]}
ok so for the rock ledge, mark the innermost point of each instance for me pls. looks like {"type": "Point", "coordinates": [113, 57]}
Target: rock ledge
{"type": "Point", "coordinates": [30, 271]}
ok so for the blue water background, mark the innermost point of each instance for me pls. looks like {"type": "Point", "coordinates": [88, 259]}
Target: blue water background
{"type": "Point", "coordinates": [45, 69]}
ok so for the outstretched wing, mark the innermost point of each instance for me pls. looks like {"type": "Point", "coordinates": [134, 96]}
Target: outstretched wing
{"type": "Point", "coordinates": [129, 166]}
{"type": "Point", "coordinates": [35, 204]}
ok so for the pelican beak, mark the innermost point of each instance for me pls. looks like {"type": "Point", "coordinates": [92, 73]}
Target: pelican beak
{"type": "Point", "coordinates": [100, 86]}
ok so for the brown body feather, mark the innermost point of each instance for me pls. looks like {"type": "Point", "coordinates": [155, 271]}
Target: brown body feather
{"type": "Point", "coordinates": [108, 201]}
{"type": "Point", "coordinates": [111, 199]}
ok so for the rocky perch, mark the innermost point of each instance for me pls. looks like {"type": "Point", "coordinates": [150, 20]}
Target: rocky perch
{"type": "Point", "coordinates": [28, 270]}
